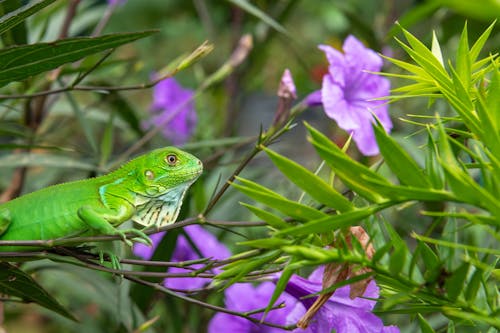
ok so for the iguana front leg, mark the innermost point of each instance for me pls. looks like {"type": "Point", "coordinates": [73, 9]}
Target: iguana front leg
{"type": "Point", "coordinates": [102, 220]}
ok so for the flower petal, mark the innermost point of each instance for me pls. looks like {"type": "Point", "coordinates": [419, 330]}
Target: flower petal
{"type": "Point", "coordinates": [226, 323]}
{"type": "Point", "coordinates": [349, 91]}
{"type": "Point", "coordinates": [185, 283]}
{"type": "Point", "coordinates": [145, 252]}
{"type": "Point", "coordinates": [173, 110]}
{"type": "Point", "coordinates": [336, 106]}
{"type": "Point", "coordinates": [359, 56]}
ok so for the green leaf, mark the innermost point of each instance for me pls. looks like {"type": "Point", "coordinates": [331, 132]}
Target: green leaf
{"type": "Point", "coordinates": [431, 262]}
{"type": "Point", "coordinates": [463, 65]}
{"type": "Point", "coordinates": [461, 183]}
{"type": "Point", "coordinates": [425, 58]}
{"type": "Point", "coordinates": [271, 219]}
{"type": "Point", "coordinates": [432, 166]}
{"type": "Point", "coordinates": [397, 260]}
{"type": "Point", "coordinates": [50, 160]}
{"type": "Point", "coordinates": [21, 62]}
{"type": "Point", "coordinates": [356, 176]}
{"type": "Point", "coordinates": [266, 243]}
{"type": "Point", "coordinates": [314, 255]}
{"type": "Point", "coordinates": [17, 16]}
{"type": "Point", "coordinates": [276, 201]}
{"type": "Point", "coordinates": [436, 49]}
{"type": "Point", "coordinates": [332, 223]}
{"type": "Point", "coordinates": [243, 267]}
{"type": "Point", "coordinates": [455, 283]}
{"type": "Point", "coordinates": [15, 282]}
{"type": "Point", "coordinates": [478, 45]}
{"type": "Point", "coordinates": [398, 160]}
{"type": "Point", "coordinates": [285, 276]}
{"type": "Point", "coordinates": [493, 99]}
{"type": "Point", "coordinates": [400, 261]}
{"type": "Point", "coordinates": [253, 10]}
{"type": "Point", "coordinates": [381, 252]}
{"type": "Point", "coordinates": [425, 327]}
{"type": "Point", "coordinates": [310, 183]}
{"type": "Point", "coordinates": [490, 319]}
{"type": "Point", "coordinates": [473, 286]}
{"type": "Point", "coordinates": [407, 193]}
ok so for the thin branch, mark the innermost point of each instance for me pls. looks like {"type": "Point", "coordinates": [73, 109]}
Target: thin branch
{"type": "Point", "coordinates": [131, 276]}
{"type": "Point", "coordinates": [263, 140]}
{"type": "Point", "coordinates": [191, 300]}
{"type": "Point", "coordinates": [49, 243]}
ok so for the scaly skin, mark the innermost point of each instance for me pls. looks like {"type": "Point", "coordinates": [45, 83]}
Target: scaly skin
{"type": "Point", "coordinates": [148, 190]}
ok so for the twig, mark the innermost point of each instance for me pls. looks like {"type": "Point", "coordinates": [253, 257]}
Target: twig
{"type": "Point", "coordinates": [191, 300]}
{"type": "Point", "coordinates": [131, 276]}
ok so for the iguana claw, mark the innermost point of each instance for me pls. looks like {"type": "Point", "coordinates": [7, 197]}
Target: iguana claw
{"type": "Point", "coordinates": [141, 237]}
{"type": "Point", "coordinates": [113, 258]}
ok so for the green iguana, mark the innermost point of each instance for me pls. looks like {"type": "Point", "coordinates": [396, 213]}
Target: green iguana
{"type": "Point", "coordinates": [148, 190]}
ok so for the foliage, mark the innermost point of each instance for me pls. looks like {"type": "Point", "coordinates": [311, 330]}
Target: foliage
{"type": "Point", "coordinates": [75, 79]}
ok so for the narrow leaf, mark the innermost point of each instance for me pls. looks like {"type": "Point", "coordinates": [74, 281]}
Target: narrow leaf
{"type": "Point", "coordinates": [280, 203]}
{"type": "Point", "coordinates": [425, 327]}
{"type": "Point", "coordinates": [356, 176]}
{"type": "Point", "coordinates": [473, 286]}
{"type": "Point", "coordinates": [310, 183]}
{"type": "Point", "coordinates": [436, 49]}
{"type": "Point", "coordinates": [15, 282]}
{"type": "Point", "coordinates": [271, 219]}
{"type": "Point", "coordinates": [397, 261]}
{"type": "Point", "coordinates": [246, 266]}
{"type": "Point", "coordinates": [51, 160]}
{"type": "Point", "coordinates": [455, 283]}
{"type": "Point", "coordinates": [332, 223]}
{"type": "Point", "coordinates": [463, 66]}
{"type": "Point", "coordinates": [285, 276]}
{"type": "Point", "coordinates": [17, 16]}
{"type": "Point", "coordinates": [424, 53]}
{"type": "Point", "coordinates": [266, 243]}
{"type": "Point", "coordinates": [20, 62]}
{"type": "Point", "coordinates": [398, 160]}
{"type": "Point", "coordinates": [478, 45]}
{"type": "Point", "coordinates": [252, 10]}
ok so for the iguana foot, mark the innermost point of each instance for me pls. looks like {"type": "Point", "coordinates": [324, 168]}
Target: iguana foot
{"type": "Point", "coordinates": [141, 237]}
{"type": "Point", "coordinates": [113, 259]}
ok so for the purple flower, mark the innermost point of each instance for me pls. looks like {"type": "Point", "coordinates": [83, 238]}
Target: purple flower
{"type": "Point", "coordinates": [349, 89]}
{"type": "Point", "coordinates": [116, 2]}
{"type": "Point", "coordinates": [173, 111]}
{"type": "Point", "coordinates": [207, 244]}
{"type": "Point", "coordinates": [339, 313]}
{"type": "Point", "coordinates": [287, 86]}
{"type": "Point", "coordinates": [243, 297]}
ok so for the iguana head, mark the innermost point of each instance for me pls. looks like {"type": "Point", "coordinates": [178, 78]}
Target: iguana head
{"type": "Point", "coordinates": [164, 169]}
{"type": "Point", "coordinates": [163, 178]}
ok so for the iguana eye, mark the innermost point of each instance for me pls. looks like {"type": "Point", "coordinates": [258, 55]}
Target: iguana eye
{"type": "Point", "coordinates": [171, 159]}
